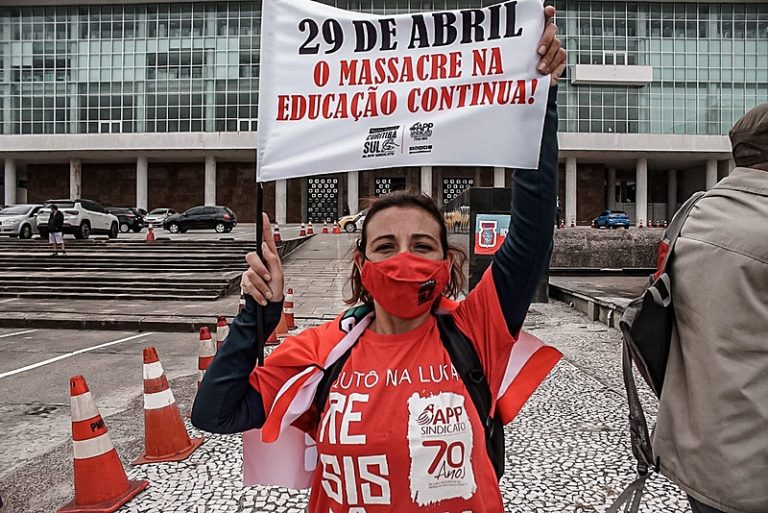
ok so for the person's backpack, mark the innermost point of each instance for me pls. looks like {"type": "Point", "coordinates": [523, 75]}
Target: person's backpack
{"type": "Point", "coordinates": [646, 327]}
{"type": "Point", "coordinates": [467, 364]}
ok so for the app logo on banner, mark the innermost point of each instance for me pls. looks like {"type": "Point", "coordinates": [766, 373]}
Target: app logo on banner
{"type": "Point", "coordinates": [420, 133]}
{"type": "Point", "coordinates": [490, 232]}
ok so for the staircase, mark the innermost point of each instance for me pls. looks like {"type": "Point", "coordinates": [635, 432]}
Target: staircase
{"type": "Point", "coordinates": [130, 269]}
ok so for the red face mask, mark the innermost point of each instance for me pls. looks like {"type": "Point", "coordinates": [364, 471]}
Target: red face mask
{"type": "Point", "coordinates": [406, 285]}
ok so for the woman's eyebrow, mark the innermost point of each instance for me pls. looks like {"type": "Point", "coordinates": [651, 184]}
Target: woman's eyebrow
{"type": "Point", "coordinates": [423, 236]}
{"type": "Point", "coordinates": [387, 236]}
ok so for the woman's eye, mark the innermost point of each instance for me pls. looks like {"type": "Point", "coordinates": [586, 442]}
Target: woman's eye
{"type": "Point", "coordinates": [424, 247]}
{"type": "Point", "coordinates": [383, 247]}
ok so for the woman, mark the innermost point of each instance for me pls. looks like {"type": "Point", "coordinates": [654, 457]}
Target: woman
{"type": "Point", "coordinates": [398, 431]}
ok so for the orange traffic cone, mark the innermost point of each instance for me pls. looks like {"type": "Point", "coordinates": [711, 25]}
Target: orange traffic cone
{"type": "Point", "coordinates": [288, 310]}
{"type": "Point", "coordinates": [150, 233]}
{"type": "Point", "coordinates": [272, 340]}
{"type": "Point", "coordinates": [206, 352]}
{"type": "Point", "coordinates": [336, 229]}
{"type": "Point", "coordinates": [641, 224]}
{"type": "Point", "coordinates": [282, 326]}
{"type": "Point", "coordinates": [222, 330]}
{"type": "Point", "coordinates": [573, 223]}
{"type": "Point", "coordinates": [310, 229]}
{"type": "Point", "coordinates": [100, 481]}
{"type": "Point", "coordinates": [276, 232]}
{"type": "Point", "coordinates": [325, 226]}
{"type": "Point", "coordinates": [665, 224]}
{"type": "Point", "coordinates": [165, 436]}
{"type": "Point", "coordinates": [302, 231]}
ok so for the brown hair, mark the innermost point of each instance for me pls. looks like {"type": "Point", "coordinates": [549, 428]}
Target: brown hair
{"type": "Point", "coordinates": [406, 199]}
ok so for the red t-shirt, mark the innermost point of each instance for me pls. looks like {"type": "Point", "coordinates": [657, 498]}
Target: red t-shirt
{"type": "Point", "coordinates": [399, 431]}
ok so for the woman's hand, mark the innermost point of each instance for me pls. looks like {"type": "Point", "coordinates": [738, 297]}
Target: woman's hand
{"type": "Point", "coordinates": [553, 56]}
{"type": "Point", "coordinates": [264, 282]}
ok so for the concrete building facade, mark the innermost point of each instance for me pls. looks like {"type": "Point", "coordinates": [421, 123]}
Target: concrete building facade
{"type": "Point", "coordinates": [155, 105]}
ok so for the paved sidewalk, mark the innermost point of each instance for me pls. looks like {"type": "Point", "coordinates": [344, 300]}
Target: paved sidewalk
{"type": "Point", "coordinates": [567, 451]}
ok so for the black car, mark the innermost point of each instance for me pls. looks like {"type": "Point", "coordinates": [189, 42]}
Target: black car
{"type": "Point", "coordinates": [221, 219]}
{"type": "Point", "coordinates": [130, 218]}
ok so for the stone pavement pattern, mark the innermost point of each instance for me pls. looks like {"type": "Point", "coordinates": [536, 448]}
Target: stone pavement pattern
{"type": "Point", "coordinates": [566, 452]}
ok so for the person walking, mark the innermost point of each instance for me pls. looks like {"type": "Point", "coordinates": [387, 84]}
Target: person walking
{"type": "Point", "coordinates": [397, 432]}
{"type": "Point", "coordinates": [711, 436]}
{"type": "Point", "coordinates": [55, 225]}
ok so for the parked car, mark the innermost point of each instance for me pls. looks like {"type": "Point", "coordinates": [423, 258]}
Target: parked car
{"type": "Point", "coordinates": [19, 220]}
{"type": "Point", "coordinates": [129, 218]}
{"type": "Point", "coordinates": [82, 218]}
{"type": "Point", "coordinates": [611, 219]}
{"type": "Point", "coordinates": [221, 219]}
{"type": "Point", "coordinates": [157, 216]}
{"type": "Point", "coordinates": [353, 222]}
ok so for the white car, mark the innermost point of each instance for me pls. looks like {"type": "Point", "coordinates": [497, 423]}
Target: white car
{"type": "Point", "coordinates": [19, 221]}
{"type": "Point", "coordinates": [81, 217]}
{"type": "Point", "coordinates": [158, 216]}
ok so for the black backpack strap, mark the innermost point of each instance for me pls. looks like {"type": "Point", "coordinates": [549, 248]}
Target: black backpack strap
{"type": "Point", "coordinates": [467, 364]}
{"type": "Point", "coordinates": [329, 376]}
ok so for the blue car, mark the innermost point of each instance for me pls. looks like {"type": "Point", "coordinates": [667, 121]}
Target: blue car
{"type": "Point", "coordinates": [611, 219]}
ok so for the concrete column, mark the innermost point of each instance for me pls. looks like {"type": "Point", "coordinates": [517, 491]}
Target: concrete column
{"type": "Point", "coordinates": [610, 192]}
{"type": "Point", "coordinates": [10, 182]}
{"type": "Point", "coordinates": [281, 201]}
{"type": "Point", "coordinates": [426, 180]}
{"type": "Point", "coordinates": [210, 180]}
{"type": "Point", "coordinates": [353, 191]}
{"type": "Point", "coordinates": [75, 179]}
{"type": "Point", "coordinates": [570, 191]}
{"type": "Point", "coordinates": [671, 193]}
{"type": "Point", "coordinates": [141, 183]}
{"type": "Point", "coordinates": [498, 177]}
{"type": "Point", "coordinates": [641, 194]}
{"type": "Point", "coordinates": [711, 173]}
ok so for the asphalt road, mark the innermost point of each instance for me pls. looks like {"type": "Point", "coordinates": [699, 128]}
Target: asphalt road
{"type": "Point", "coordinates": [35, 367]}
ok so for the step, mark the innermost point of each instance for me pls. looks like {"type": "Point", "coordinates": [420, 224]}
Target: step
{"type": "Point", "coordinates": [100, 296]}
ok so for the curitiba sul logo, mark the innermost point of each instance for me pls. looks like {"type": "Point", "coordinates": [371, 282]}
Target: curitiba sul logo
{"type": "Point", "coordinates": [381, 142]}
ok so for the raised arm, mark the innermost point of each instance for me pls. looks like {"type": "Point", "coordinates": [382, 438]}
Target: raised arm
{"type": "Point", "coordinates": [519, 263]}
{"type": "Point", "coordinates": [226, 401]}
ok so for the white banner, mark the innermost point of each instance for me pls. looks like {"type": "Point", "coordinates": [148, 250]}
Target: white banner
{"type": "Point", "coordinates": [344, 91]}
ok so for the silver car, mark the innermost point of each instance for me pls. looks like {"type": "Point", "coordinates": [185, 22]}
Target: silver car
{"type": "Point", "coordinates": [158, 216]}
{"type": "Point", "coordinates": [19, 220]}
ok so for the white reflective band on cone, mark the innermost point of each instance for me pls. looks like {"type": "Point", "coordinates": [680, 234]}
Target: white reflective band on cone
{"type": "Point", "coordinates": [153, 370]}
{"type": "Point", "coordinates": [83, 407]}
{"type": "Point", "coordinates": [207, 348]}
{"type": "Point", "coordinates": [288, 310]}
{"type": "Point", "coordinates": [200, 375]}
{"type": "Point", "coordinates": [85, 449]}
{"type": "Point", "coordinates": [158, 400]}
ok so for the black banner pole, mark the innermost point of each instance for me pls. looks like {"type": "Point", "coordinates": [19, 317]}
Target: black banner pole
{"type": "Point", "coordinates": [260, 340]}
